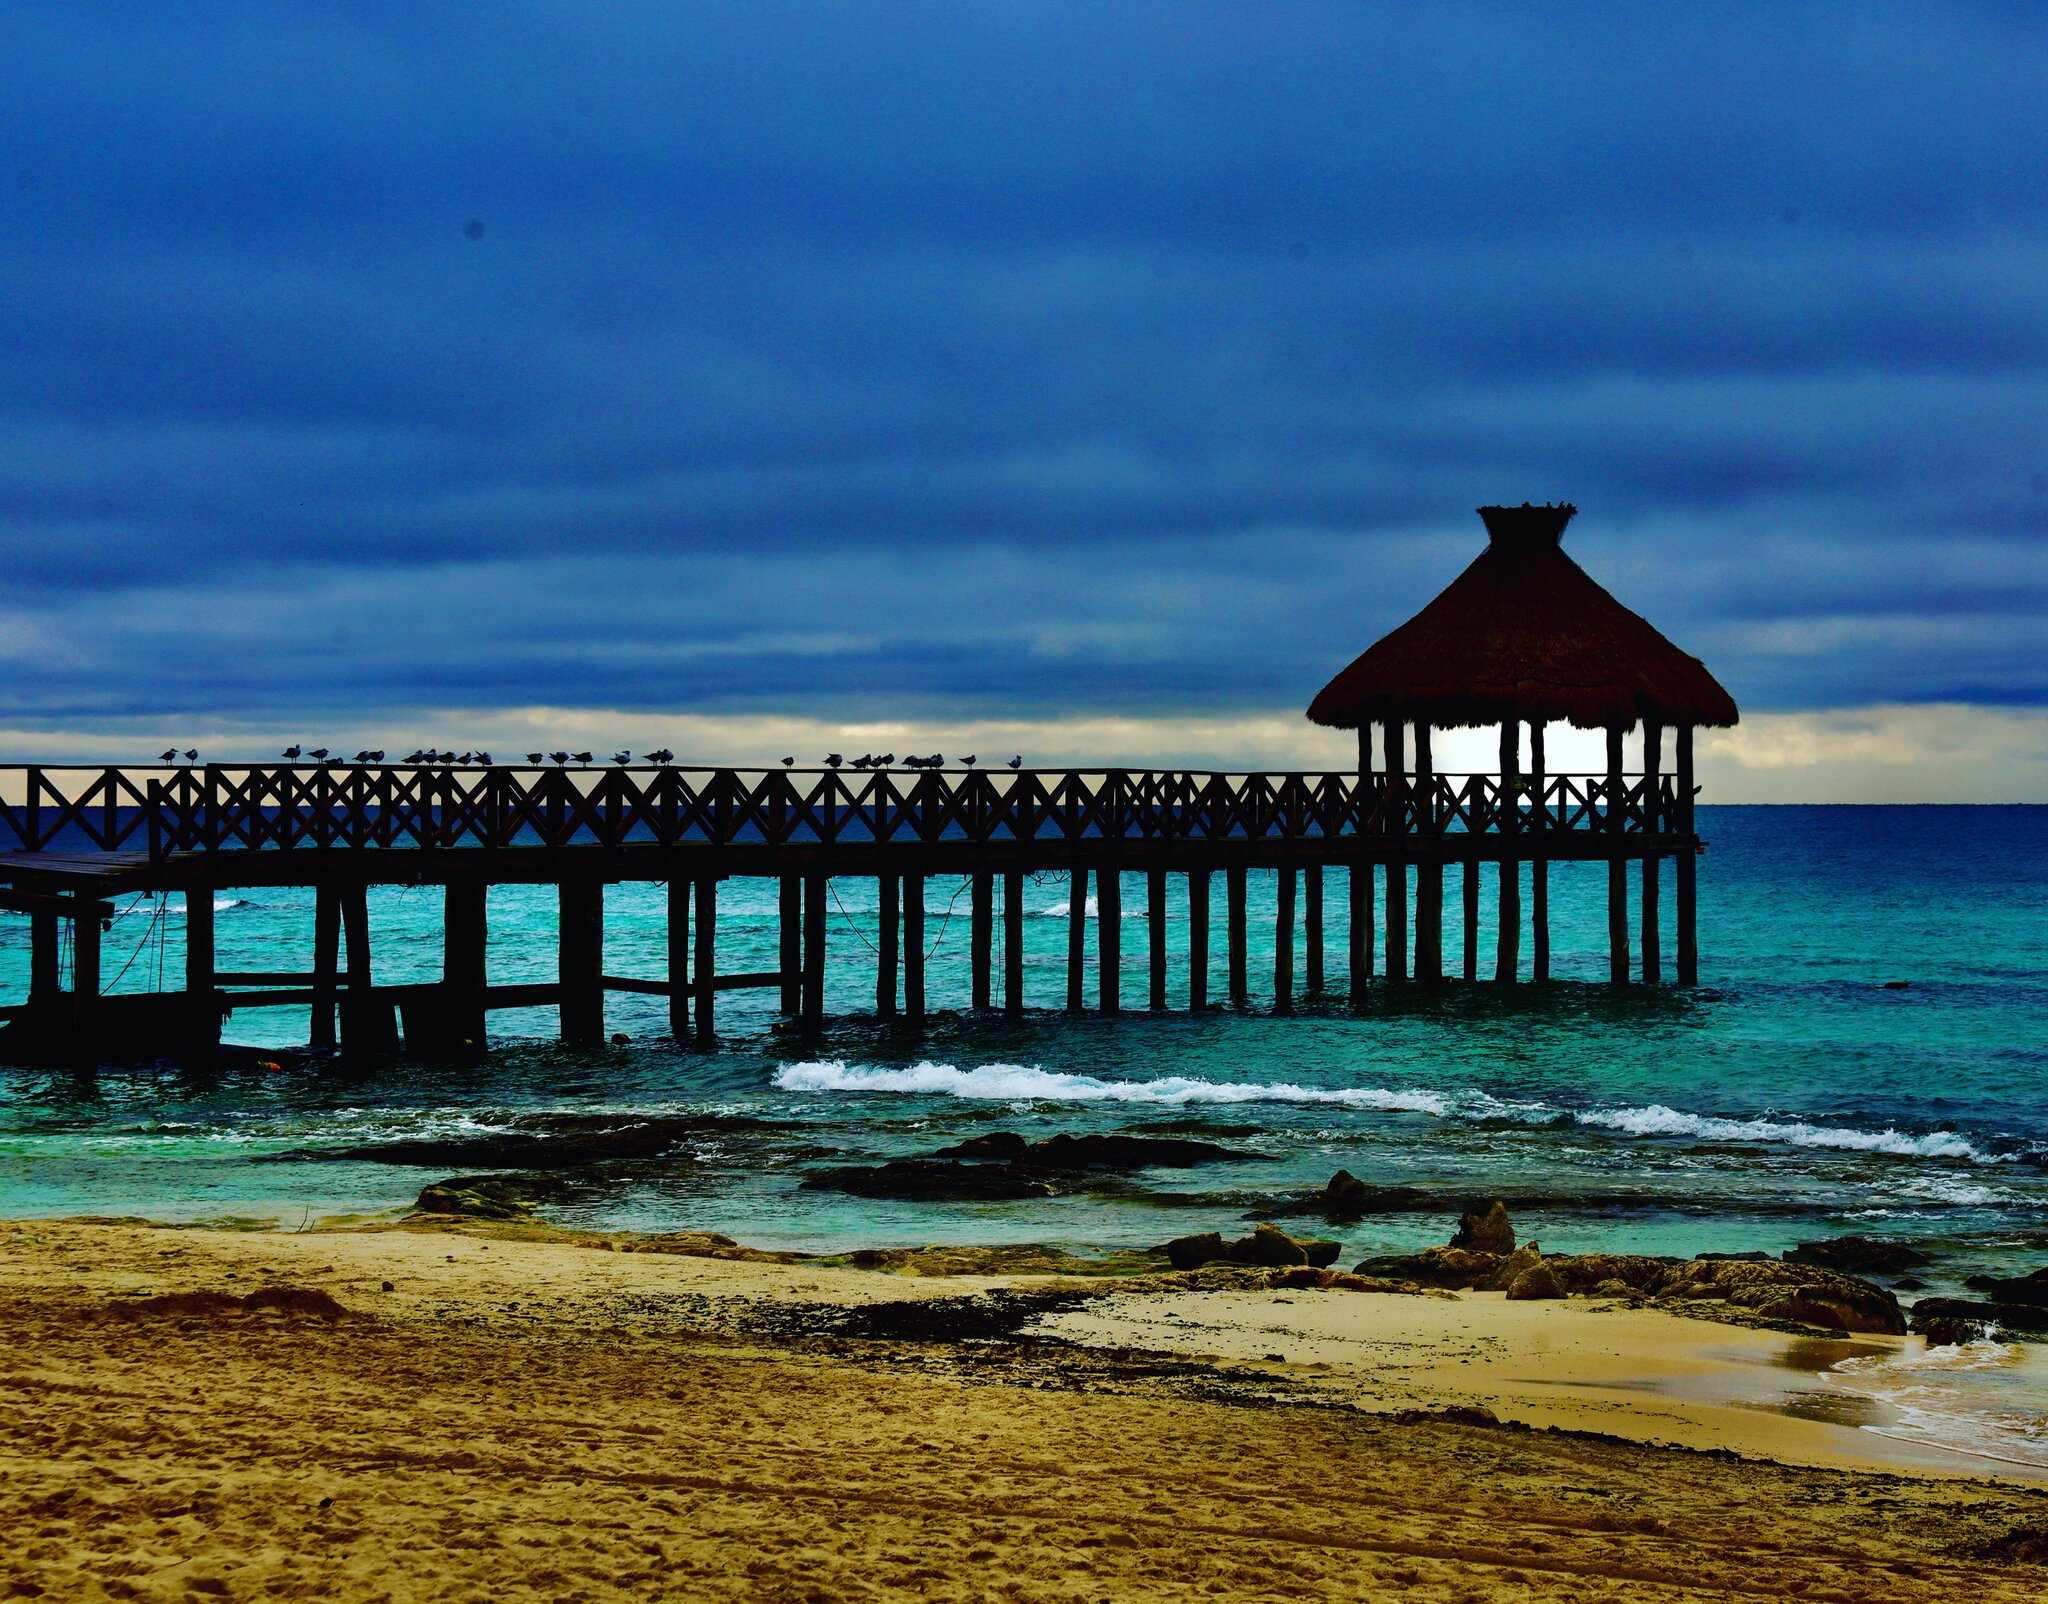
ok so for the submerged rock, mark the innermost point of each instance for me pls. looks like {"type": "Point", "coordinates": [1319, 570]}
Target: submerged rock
{"type": "Point", "coordinates": [1490, 1231]}
{"type": "Point", "coordinates": [921, 1180]}
{"type": "Point", "coordinates": [2028, 1317]}
{"type": "Point", "coordinates": [1115, 1150]}
{"type": "Point", "coordinates": [1345, 1198]}
{"type": "Point", "coordinates": [2029, 1289]}
{"type": "Point", "coordinates": [483, 1197]}
{"type": "Point", "coordinates": [1859, 1255]}
{"type": "Point", "coordinates": [544, 1142]}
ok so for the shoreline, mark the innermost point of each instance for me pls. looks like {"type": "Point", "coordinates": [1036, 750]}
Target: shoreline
{"type": "Point", "coordinates": [520, 1395]}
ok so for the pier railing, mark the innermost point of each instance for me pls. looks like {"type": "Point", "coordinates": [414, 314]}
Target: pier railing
{"type": "Point", "coordinates": [283, 807]}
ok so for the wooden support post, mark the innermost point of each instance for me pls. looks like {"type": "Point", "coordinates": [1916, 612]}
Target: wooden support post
{"type": "Point", "coordinates": [45, 981]}
{"type": "Point", "coordinates": [1429, 873]}
{"type": "Point", "coordinates": [1013, 941]}
{"type": "Point", "coordinates": [704, 959]}
{"type": "Point", "coordinates": [326, 959]}
{"type": "Point", "coordinates": [813, 999]}
{"type": "Point", "coordinates": [1198, 939]}
{"type": "Point", "coordinates": [85, 979]}
{"type": "Point", "coordinates": [1077, 940]}
{"type": "Point", "coordinates": [913, 948]}
{"type": "Point", "coordinates": [1234, 935]}
{"type": "Point", "coordinates": [679, 959]}
{"type": "Point", "coordinates": [789, 925]}
{"type": "Point", "coordinates": [1155, 925]}
{"type": "Point", "coordinates": [1617, 867]}
{"type": "Point", "coordinates": [1539, 865]}
{"type": "Point", "coordinates": [369, 1024]}
{"type": "Point", "coordinates": [465, 932]}
{"type": "Point", "coordinates": [204, 1008]}
{"type": "Point", "coordinates": [1687, 867]}
{"type": "Point", "coordinates": [981, 935]}
{"type": "Point", "coordinates": [1653, 813]}
{"type": "Point", "coordinates": [580, 958]}
{"type": "Point", "coordinates": [1283, 941]}
{"type": "Point", "coordinates": [1395, 734]}
{"type": "Point", "coordinates": [887, 929]}
{"type": "Point", "coordinates": [1471, 919]}
{"type": "Point", "coordinates": [1109, 940]}
{"type": "Point", "coordinates": [1507, 958]}
{"type": "Point", "coordinates": [1358, 892]}
{"type": "Point", "coordinates": [1312, 926]}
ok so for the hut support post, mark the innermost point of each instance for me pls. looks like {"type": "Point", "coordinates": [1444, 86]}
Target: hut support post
{"type": "Point", "coordinates": [913, 948]}
{"type": "Point", "coordinates": [1686, 867]}
{"type": "Point", "coordinates": [1283, 941]}
{"type": "Point", "coordinates": [1539, 864]}
{"type": "Point", "coordinates": [1395, 820]}
{"type": "Point", "coordinates": [1507, 960]}
{"type": "Point", "coordinates": [789, 949]}
{"type": "Point", "coordinates": [1429, 872]}
{"type": "Point", "coordinates": [1653, 867]}
{"type": "Point", "coordinates": [1471, 890]}
{"type": "Point", "coordinates": [1312, 926]}
{"type": "Point", "coordinates": [887, 888]}
{"type": "Point", "coordinates": [1617, 866]}
{"type": "Point", "coordinates": [1077, 940]}
{"type": "Point", "coordinates": [1234, 934]}
{"type": "Point", "coordinates": [1198, 939]}
{"type": "Point", "coordinates": [326, 959]}
{"type": "Point", "coordinates": [1109, 940]}
{"type": "Point", "coordinates": [1358, 896]}
{"type": "Point", "coordinates": [981, 927]}
{"type": "Point", "coordinates": [815, 886]}
{"type": "Point", "coordinates": [1155, 925]}
{"type": "Point", "coordinates": [580, 958]}
{"type": "Point", "coordinates": [679, 960]}
{"type": "Point", "coordinates": [1013, 942]}
{"type": "Point", "coordinates": [704, 965]}
{"type": "Point", "coordinates": [199, 988]}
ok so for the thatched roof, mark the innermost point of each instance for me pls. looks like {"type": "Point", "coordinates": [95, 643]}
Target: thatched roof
{"type": "Point", "coordinates": [1524, 633]}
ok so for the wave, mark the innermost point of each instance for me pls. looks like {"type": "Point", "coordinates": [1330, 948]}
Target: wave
{"type": "Point", "coordinates": [1027, 1083]}
{"type": "Point", "coordinates": [176, 910]}
{"type": "Point", "coordinates": [1022, 1083]}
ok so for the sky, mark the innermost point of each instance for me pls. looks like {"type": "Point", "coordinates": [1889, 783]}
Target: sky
{"type": "Point", "coordinates": [1087, 381]}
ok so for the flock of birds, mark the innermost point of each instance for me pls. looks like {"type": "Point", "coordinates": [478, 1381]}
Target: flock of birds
{"type": "Point", "coordinates": [662, 758]}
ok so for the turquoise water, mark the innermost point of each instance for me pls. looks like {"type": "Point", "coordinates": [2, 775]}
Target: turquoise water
{"type": "Point", "coordinates": [1790, 1096]}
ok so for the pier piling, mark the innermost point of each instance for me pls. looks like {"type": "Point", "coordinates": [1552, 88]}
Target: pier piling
{"type": "Point", "coordinates": [981, 938]}
{"type": "Point", "coordinates": [704, 960]}
{"type": "Point", "coordinates": [816, 887]}
{"type": "Point", "coordinates": [1198, 939]}
{"type": "Point", "coordinates": [1109, 940]}
{"type": "Point", "coordinates": [913, 948]}
{"type": "Point", "coordinates": [1013, 942]}
{"type": "Point", "coordinates": [1507, 960]}
{"type": "Point", "coordinates": [1235, 934]}
{"type": "Point", "coordinates": [1312, 927]}
{"type": "Point", "coordinates": [679, 959]}
{"type": "Point", "coordinates": [1077, 940]}
{"type": "Point", "coordinates": [1155, 925]}
{"type": "Point", "coordinates": [580, 959]}
{"type": "Point", "coordinates": [1652, 911]}
{"type": "Point", "coordinates": [888, 923]}
{"type": "Point", "coordinates": [1283, 941]}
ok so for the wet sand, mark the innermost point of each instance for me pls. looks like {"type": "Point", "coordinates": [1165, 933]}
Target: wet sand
{"type": "Point", "coordinates": [543, 1418]}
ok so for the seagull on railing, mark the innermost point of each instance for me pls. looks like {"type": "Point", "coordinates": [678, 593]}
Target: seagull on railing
{"type": "Point", "coordinates": [169, 757]}
{"type": "Point", "coordinates": [559, 758]}
{"type": "Point", "coordinates": [663, 757]}
{"type": "Point", "coordinates": [581, 757]}
{"type": "Point", "coordinates": [535, 757]}
{"type": "Point", "coordinates": [833, 760]}
{"type": "Point", "coordinates": [622, 758]}
{"type": "Point", "coordinates": [967, 762]}
{"type": "Point", "coordinates": [415, 756]}
{"type": "Point", "coordinates": [1017, 762]}
{"type": "Point", "coordinates": [463, 760]}
{"type": "Point", "coordinates": [885, 760]}
{"type": "Point", "coordinates": [291, 754]}
{"type": "Point", "coordinates": [789, 762]}
{"type": "Point", "coordinates": [318, 754]}
{"type": "Point", "coordinates": [484, 758]}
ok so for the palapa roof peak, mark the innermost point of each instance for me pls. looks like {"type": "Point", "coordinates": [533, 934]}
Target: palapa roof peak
{"type": "Point", "coordinates": [1524, 633]}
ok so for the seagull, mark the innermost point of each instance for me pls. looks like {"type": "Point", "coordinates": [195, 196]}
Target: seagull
{"type": "Point", "coordinates": [377, 756]}
{"type": "Point", "coordinates": [885, 760]}
{"type": "Point", "coordinates": [484, 758]}
{"type": "Point", "coordinates": [464, 759]}
{"type": "Point", "coordinates": [291, 753]}
{"type": "Point", "coordinates": [864, 761]}
{"type": "Point", "coordinates": [191, 754]}
{"type": "Point", "coordinates": [581, 757]}
{"type": "Point", "coordinates": [833, 760]}
{"type": "Point", "coordinates": [535, 757]}
{"type": "Point", "coordinates": [559, 757]}
{"type": "Point", "coordinates": [415, 756]}
{"type": "Point", "coordinates": [1017, 762]}
{"type": "Point", "coordinates": [622, 758]}
{"type": "Point", "coordinates": [664, 756]}
{"type": "Point", "coordinates": [317, 754]}
{"type": "Point", "coordinates": [169, 757]}
{"type": "Point", "coordinates": [967, 762]}
{"type": "Point", "coordinates": [789, 762]}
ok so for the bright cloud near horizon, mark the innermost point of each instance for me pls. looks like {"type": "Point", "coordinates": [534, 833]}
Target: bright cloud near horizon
{"type": "Point", "coordinates": [1088, 381]}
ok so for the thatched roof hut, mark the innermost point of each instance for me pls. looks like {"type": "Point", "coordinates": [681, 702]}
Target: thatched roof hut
{"type": "Point", "coordinates": [1524, 634]}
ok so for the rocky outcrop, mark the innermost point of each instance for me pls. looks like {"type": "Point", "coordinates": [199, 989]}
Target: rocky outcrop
{"type": "Point", "coordinates": [1640, 1273]}
{"type": "Point", "coordinates": [1455, 1269]}
{"type": "Point", "coordinates": [2027, 1289]}
{"type": "Point", "coordinates": [1488, 1231]}
{"type": "Point", "coordinates": [1268, 1246]}
{"type": "Point", "coordinates": [1114, 1150]}
{"type": "Point", "coordinates": [483, 1197]}
{"type": "Point", "coordinates": [925, 1180]}
{"type": "Point", "coordinates": [2030, 1318]}
{"type": "Point", "coordinates": [1537, 1281]}
{"type": "Point", "coordinates": [1345, 1198]}
{"type": "Point", "coordinates": [1858, 1255]}
{"type": "Point", "coordinates": [1804, 1294]}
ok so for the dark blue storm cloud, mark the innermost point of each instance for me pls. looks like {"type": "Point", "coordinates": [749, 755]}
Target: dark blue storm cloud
{"type": "Point", "coordinates": [895, 359]}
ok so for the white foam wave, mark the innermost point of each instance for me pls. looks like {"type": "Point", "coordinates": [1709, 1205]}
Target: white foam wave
{"type": "Point", "coordinates": [1024, 1083]}
{"type": "Point", "coordinates": [1657, 1120]}
{"type": "Point", "coordinates": [176, 910]}
{"type": "Point", "coordinates": [1062, 910]}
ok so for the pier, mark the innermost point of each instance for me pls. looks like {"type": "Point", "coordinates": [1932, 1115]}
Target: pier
{"type": "Point", "coordinates": [1522, 638]}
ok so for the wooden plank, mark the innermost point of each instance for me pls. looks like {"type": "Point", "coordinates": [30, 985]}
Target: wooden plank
{"type": "Point", "coordinates": [981, 924]}
{"type": "Point", "coordinates": [704, 961]}
{"type": "Point", "coordinates": [815, 889]}
{"type": "Point", "coordinates": [1198, 939]}
{"type": "Point", "coordinates": [1236, 933]}
{"type": "Point", "coordinates": [1109, 940]}
{"type": "Point", "coordinates": [633, 983]}
{"type": "Point", "coordinates": [35, 902]}
{"type": "Point", "coordinates": [580, 958]}
{"type": "Point", "coordinates": [679, 958]}
{"type": "Point", "coordinates": [1653, 935]}
{"type": "Point", "coordinates": [1394, 735]}
{"type": "Point", "coordinates": [1155, 928]}
{"type": "Point", "coordinates": [913, 948]}
{"type": "Point", "coordinates": [789, 927]}
{"type": "Point", "coordinates": [1283, 941]}
{"type": "Point", "coordinates": [1013, 942]}
{"type": "Point", "coordinates": [1312, 925]}
{"type": "Point", "coordinates": [1617, 868]}
{"type": "Point", "coordinates": [887, 929]}
{"type": "Point", "coordinates": [1077, 938]}
{"type": "Point", "coordinates": [747, 980]}
{"type": "Point", "coordinates": [320, 1035]}
{"type": "Point", "coordinates": [1687, 908]}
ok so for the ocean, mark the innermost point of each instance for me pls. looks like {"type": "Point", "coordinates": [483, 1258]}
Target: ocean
{"type": "Point", "coordinates": [1792, 1095]}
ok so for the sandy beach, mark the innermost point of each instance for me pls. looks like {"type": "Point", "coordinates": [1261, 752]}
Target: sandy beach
{"type": "Point", "coordinates": [517, 1412]}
